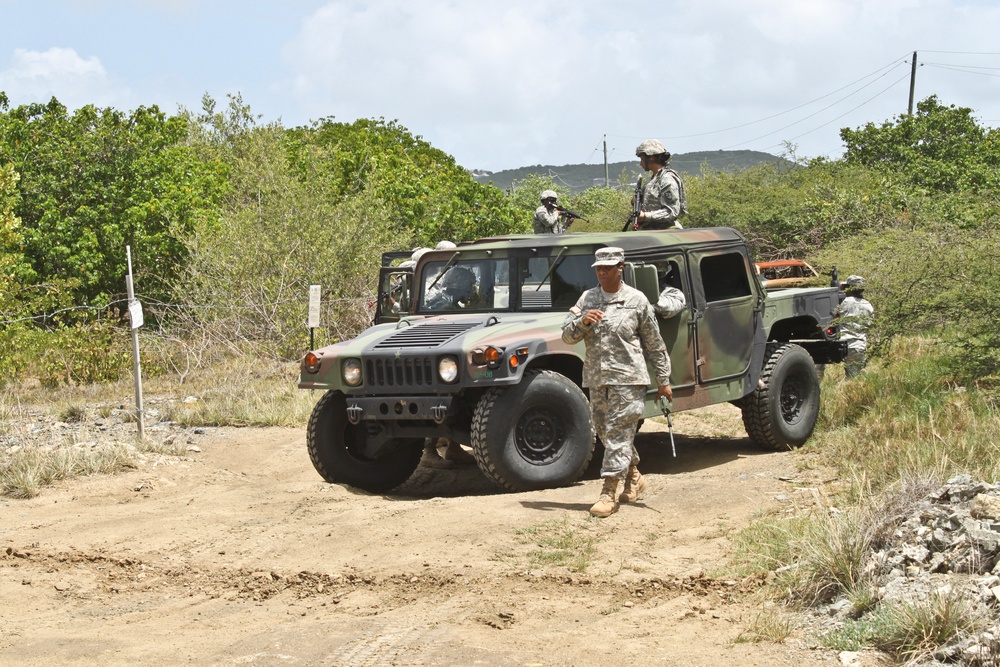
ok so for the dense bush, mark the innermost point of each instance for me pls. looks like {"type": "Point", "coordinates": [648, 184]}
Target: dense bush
{"type": "Point", "coordinates": [98, 180]}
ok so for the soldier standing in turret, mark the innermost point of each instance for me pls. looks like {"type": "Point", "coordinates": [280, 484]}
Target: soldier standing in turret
{"type": "Point", "coordinates": [549, 219]}
{"type": "Point", "coordinates": [663, 200]}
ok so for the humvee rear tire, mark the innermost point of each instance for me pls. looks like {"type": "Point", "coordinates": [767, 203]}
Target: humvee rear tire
{"type": "Point", "coordinates": [535, 435]}
{"type": "Point", "coordinates": [781, 412]}
{"type": "Point", "coordinates": [335, 446]}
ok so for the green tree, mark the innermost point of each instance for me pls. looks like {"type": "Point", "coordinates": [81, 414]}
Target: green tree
{"type": "Point", "coordinates": [98, 180]}
{"type": "Point", "coordinates": [11, 256]}
{"type": "Point", "coordinates": [423, 193]}
{"type": "Point", "coordinates": [939, 147]}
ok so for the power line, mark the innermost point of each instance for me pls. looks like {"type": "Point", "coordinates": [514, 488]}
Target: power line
{"type": "Point", "coordinates": [804, 104]}
{"type": "Point", "coordinates": [780, 129]}
{"type": "Point", "coordinates": [881, 71]}
{"type": "Point", "coordinates": [956, 68]}
{"type": "Point", "coordinates": [832, 120]}
{"type": "Point", "coordinates": [964, 53]}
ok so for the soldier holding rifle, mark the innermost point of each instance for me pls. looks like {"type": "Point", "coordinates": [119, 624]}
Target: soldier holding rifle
{"type": "Point", "coordinates": [661, 201]}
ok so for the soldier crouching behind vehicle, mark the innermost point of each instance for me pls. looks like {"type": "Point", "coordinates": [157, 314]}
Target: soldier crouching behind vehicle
{"type": "Point", "coordinates": [614, 320]}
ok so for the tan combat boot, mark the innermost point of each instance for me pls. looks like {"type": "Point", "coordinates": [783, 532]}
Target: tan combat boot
{"type": "Point", "coordinates": [607, 504]}
{"type": "Point", "coordinates": [431, 458]}
{"type": "Point", "coordinates": [635, 485]}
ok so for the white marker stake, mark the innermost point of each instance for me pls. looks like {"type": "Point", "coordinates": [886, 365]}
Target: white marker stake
{"type": "Point", "coordinates": [135, 313]}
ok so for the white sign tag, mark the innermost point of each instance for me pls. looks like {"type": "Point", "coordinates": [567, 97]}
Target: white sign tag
{"type": "Point", "coordinates": [314, 294]}
{"type": "Point", "coordinates": [135, 313]}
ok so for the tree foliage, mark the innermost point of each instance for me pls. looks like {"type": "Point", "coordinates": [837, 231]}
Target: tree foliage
{"type": "Point", "coordinates": [230, 221]}
{"type": "Point", "coordinates": [939, 147]}
{"type": "Point", "coordinates": [98, 180]}
{"type": "Point", "coordinates": [425, 195]}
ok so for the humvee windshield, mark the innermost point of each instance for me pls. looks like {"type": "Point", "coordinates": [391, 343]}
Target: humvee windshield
{"type": "Point", "coordinates": [489, 284]}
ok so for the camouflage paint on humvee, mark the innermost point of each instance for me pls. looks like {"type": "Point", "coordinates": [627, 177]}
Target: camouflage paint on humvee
{"type": "Point", "coordinates": [468, 347]}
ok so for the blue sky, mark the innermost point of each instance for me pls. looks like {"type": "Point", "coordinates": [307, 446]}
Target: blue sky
{"type": "Point", "coordinates": [503, 84]}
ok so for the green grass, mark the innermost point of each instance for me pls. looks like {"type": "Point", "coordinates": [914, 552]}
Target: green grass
{"type": "Point", "coordinates": [907, 419]}
{"type": "Point", "coordinates": [914, 631]}
{"type": "Point", "coordinates": [558, 543]}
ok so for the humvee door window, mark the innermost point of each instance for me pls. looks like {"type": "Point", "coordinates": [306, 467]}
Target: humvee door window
{"type": "Point", "coordinates": [546, 288]}
{"type": "Point", "coordinates": [724, 277]}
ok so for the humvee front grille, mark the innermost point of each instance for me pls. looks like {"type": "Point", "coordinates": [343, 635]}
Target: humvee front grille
{"type": "Point", "coordinates": [402, 373]}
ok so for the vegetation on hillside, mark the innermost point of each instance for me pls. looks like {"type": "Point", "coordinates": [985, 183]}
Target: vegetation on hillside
{"type": "Point", "coordinates": [229, 221]}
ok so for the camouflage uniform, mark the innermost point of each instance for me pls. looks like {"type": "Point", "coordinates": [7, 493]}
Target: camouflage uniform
{"type": "Point", "coordinates": [454, 290]}
{"type": "Point", "coordinates": [661, 201]}
{"type": "Point", "coordinates": [671, 302]}
{"type": "Point", "coordinates": [854, 315]}
{"type": "Point", "coordinates": [548, 222]}
{"type": "Point", "coordinates": [614, 367]}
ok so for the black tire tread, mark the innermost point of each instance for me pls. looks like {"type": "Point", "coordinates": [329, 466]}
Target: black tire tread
{"type": "Point", "coordinates": [377, 479]}
{"type": "Point", "coordinates": [480, 423]}
{"type": "Point", "coordinates": [756, 406]}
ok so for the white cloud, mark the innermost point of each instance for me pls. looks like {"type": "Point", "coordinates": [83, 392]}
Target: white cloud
{"type": "Point", "coordinates": [61, 73]}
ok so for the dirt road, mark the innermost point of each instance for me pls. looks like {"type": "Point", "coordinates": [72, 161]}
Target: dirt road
{"type": "Point", "coordinates": [241, 555]}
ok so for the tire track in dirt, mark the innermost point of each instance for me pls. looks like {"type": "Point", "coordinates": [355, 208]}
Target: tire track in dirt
{"type": "Point", "coordinates": [119, 575]}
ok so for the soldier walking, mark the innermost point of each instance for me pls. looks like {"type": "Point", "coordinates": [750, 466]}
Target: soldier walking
{"type": "Point", "coordinates": [854, 315]}
{"type": "Point", "coordinates": [617, 324]}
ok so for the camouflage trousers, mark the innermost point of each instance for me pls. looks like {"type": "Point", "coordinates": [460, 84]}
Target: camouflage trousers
{"type": "Point", "coordinates": [855, 361]}
{"type": "Point", "coordinates": [616, 410]}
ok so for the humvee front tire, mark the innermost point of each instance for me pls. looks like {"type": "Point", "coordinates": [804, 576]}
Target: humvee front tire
{"type": "Point", "coordinates": [335, 446]}
{"type": "Point", "coordinates": [781, 412]}
{"type": "Point", "coordinates": [535, 435]}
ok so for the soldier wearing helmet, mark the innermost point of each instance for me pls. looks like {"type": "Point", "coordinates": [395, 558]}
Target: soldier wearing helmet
{"type": "Point", "coordinates": [854, 315]}
{"type": "Point", "coordinates": [663, 200]}
{"type": "Point", "coordinates": [454, 290]}
{"type": "Point", "coordinates": [549, 219]}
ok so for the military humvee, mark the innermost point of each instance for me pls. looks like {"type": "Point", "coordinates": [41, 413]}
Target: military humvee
{"type": "Point", "coordinates": [468, 347]}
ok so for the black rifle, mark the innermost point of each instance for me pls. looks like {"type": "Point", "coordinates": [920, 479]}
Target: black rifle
{"type": "Point", "coordinates": [569, 214]}
{"type": "Point", "coordinates": [633, 220]}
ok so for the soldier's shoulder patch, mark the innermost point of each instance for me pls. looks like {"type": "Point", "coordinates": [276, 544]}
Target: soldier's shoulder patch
{"type": "Point", "coordinates": [575, 310]}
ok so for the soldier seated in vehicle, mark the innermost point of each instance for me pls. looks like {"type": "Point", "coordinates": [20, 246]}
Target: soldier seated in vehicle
{"type": "Point", "coordinates": [455, 290]}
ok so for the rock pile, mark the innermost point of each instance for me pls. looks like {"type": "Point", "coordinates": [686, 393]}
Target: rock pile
{"type": "Point", "coordinates": [947, 544]}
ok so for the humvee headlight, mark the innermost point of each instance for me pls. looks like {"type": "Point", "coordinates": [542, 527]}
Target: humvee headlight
{"type": "Point", "coordinates": [448, 369]}
{"type": "Point", "coordinates": [352, 372]}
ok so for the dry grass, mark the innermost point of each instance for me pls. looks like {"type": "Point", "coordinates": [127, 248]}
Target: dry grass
{"type": "Point", "coordinates": [239, 392]}
{"type": "Point", "coordinates": [25, 470]}
{"type": "Point", "coordinates": [770, 624]}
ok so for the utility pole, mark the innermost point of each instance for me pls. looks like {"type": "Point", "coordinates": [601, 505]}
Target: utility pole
{"type": "Point", "coordinates": [607, 183]}
{"type": "Point", "coordinates": [913, 82]}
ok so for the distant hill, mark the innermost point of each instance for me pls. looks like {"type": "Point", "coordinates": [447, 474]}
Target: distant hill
{"type": "Point", "coordinates": [579, 177]}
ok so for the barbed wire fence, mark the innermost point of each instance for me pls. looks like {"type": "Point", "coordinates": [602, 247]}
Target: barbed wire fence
{"type": "Point", "coordinates": [184, 337]}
